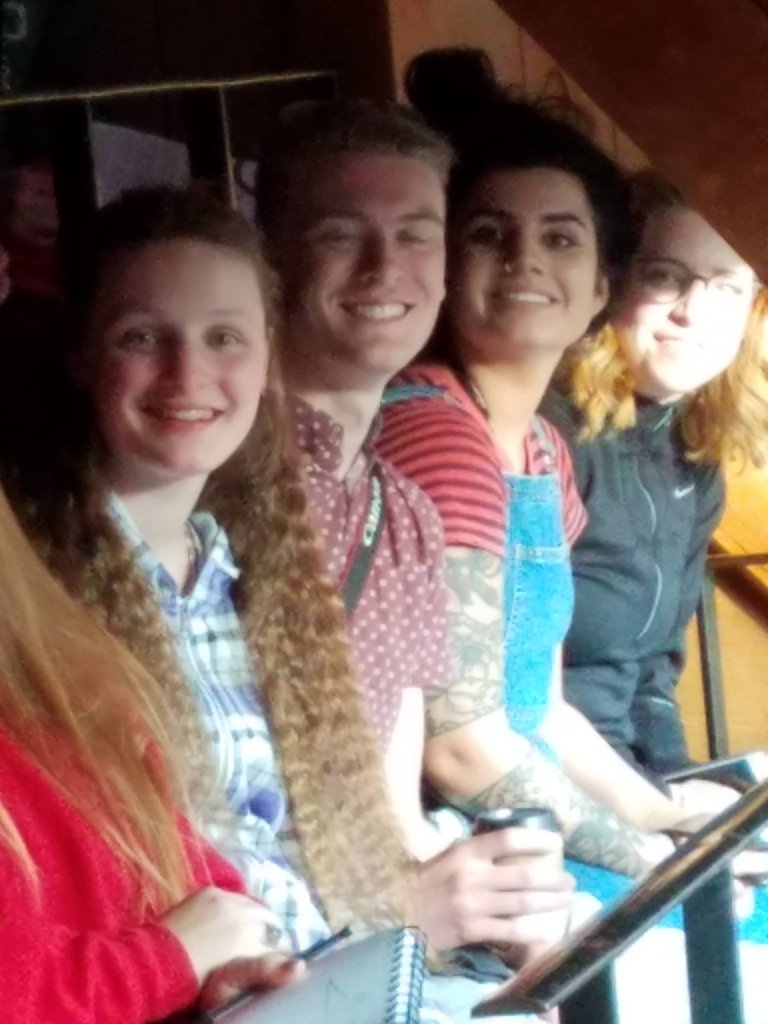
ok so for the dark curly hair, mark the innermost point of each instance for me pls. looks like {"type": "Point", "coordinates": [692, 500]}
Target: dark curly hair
{"type": "Point", "coordinates": [490, 129]}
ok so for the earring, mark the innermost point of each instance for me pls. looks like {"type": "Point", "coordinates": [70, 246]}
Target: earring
{"type": "Point", "coordinates": [507, 267]}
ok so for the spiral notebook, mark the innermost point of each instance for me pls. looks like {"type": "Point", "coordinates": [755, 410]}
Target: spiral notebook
{"type": "Point", "coordinates": [374, 980]}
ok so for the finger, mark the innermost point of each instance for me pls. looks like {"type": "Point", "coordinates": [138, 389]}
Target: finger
{"type": "Point", "coordinates": [744, 902]}
{"type": "Point", "coordinates": [272, 970]}
{"type": "Point", "coordinates": [693, 823]}
{"type": "Point", "coordinates": [750, 862]}
{"type": "Point", "coordinates": [507, 842]}
{"type": "Point", "coordinates": [535, 877]}
{"type": "Point", "coordinates": [521, 930]}
{"type": "Point", "coordinates": [511, 904]}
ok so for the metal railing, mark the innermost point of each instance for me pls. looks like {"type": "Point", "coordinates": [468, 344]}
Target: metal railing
{"type": "Point", "coordinates": [709, 645]}
{"type": "Point", "coordinates": [578, 974]}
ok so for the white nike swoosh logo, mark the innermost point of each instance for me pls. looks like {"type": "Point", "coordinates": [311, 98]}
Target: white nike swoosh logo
{"type": "Point", "coordinates": [680, 492]}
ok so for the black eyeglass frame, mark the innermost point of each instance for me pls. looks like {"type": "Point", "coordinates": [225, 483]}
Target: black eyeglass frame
{"type": "Point", "coordinates": [686, 279]}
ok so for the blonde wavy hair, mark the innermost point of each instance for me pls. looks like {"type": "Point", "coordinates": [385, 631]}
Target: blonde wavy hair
{"type": "Point", "coordinates": [292, 618]}
{"type": "Point", "coordinates": [723, 419]}
{"type": "Point", "coordinates": [64, 680]}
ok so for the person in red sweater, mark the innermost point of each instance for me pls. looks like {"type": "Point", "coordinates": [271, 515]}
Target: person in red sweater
{"type": "Point", "coordinates": [112, 910]}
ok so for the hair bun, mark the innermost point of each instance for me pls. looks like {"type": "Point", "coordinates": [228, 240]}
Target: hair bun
{"type": "Point", "coordinates": [449, 86]}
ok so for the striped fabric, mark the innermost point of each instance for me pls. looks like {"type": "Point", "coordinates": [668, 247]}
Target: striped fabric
{"type": "Point", "coordinates": [442, 442]}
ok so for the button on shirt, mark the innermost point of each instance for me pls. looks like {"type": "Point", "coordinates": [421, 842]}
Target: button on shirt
{"type": "Point", "coordinates": [220, 671]}
{"type": "Point", "coordinates": [398, 631]}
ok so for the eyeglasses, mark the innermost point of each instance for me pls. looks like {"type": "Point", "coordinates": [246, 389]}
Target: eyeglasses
{"type": "Point", "coordinates": [668, 281]}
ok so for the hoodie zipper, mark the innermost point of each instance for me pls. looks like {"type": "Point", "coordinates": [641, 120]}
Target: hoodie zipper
{"type": "Point", "coordinates": [656, 566]}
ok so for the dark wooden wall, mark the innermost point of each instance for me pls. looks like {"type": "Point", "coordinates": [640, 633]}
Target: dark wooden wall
{"type": "Point", "coordinates": [688, 81]}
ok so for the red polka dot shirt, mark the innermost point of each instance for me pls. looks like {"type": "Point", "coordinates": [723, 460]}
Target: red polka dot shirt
{"type": "Point", "coordinates": [398, 630]}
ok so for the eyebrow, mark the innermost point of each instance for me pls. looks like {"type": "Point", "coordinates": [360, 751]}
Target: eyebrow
{"type": "Point", "coordinates": [553, 217]}
{"type": "Point", "coordinates": [125, 312]}
{"type": "Point", "coordinates": [345, 213]}
{"type": "Point", "coordinates": [228, 312]}
{"type": "Point", "coordinates": [644, 257]}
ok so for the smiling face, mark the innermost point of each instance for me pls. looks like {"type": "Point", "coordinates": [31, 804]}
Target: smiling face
{"type": "Point", "coordinates": [363, 260]}
{"type": "Point", "coordinates": [676, 345]}
{"type": "Point", "coordinates": [177, 360]}
{"type": "Point", "coordinates": [525, 272]}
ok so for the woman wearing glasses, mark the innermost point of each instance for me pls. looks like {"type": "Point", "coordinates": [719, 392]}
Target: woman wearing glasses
{"type": "Point", "coordinates": [656, 405]}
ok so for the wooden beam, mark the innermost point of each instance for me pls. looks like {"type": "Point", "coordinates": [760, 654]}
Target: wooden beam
{"type": "Point", "coordinates": [687, 80]}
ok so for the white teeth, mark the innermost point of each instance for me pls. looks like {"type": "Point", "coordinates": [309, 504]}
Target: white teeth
{"type": "Point", "coordinates": [190, 415]}
{"type": "Point", "coordinates": [388, 311]}
{"type": "Point", "coordinates": [533, 297]}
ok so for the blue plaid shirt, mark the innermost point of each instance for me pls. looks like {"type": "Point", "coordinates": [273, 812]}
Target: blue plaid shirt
{"type": "Point", "coordinates": [221, 673]}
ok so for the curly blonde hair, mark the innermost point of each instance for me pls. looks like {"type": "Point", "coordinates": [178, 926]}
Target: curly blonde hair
{"type": "Point", "coordinates": [292, 618]}
{"type": "Point", "coordinates": [726, 417]}
{"type": "Point", "coordinates": [295, 625]}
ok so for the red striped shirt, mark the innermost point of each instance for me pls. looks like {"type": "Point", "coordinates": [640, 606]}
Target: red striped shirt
{"type": "Point", "coordinates": [443, 443]}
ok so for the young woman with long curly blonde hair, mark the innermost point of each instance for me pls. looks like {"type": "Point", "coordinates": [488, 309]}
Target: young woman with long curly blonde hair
{"type": "Point", "coordinates": [656, 404]}
{"type": "Point", "coordinates": [246, 634]}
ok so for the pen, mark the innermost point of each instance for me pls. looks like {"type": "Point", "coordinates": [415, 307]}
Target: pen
{"type": "Point", "coordinates": [320, 947]}
{"type": "Point", "coordinates": [222, 1013]}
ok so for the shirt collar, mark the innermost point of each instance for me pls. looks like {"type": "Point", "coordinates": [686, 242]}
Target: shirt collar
{"type": "Point", "coordinates": [319, 438]}
{"type": "Point", "coordinates": [217, 562]}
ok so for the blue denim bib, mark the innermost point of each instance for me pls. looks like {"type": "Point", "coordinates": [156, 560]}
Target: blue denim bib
{"type": "Point", "coordinates": [538, 591]}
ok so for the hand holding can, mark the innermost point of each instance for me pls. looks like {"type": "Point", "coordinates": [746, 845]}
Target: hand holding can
{"type": "Point", "coordinates": [550, 856]}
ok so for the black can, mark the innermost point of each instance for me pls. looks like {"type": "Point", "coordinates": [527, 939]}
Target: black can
{"type": "Point", "coordinates": [516, 817]}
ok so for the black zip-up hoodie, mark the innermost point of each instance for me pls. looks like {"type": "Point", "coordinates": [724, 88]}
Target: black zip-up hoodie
{"type": "Point", "coordinates": [638, 569]}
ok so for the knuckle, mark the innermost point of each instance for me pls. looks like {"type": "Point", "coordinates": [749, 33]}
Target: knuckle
{"type": "Point", "coordinates": [457, 887]}
{"type": "Point", "coordinates": [526, 903]}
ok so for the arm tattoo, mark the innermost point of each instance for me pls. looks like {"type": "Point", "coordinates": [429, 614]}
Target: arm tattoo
{"type": "Point", "coordinates": [594, 834]}
{"type": "Point", "coordinates": [475, 606]}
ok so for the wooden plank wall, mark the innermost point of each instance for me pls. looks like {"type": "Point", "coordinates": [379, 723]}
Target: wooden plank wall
{"type": "Point", "coordinates": [520, 61]}
{"type": "Point", "coordinates": [688, 80]}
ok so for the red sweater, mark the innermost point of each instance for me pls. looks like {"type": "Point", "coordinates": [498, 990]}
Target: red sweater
{"type": "Point", "coordinates": [82, 953]}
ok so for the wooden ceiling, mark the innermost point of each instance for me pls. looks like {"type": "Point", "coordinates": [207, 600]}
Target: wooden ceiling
{"type": "Point", "coordinates": [687, 80]}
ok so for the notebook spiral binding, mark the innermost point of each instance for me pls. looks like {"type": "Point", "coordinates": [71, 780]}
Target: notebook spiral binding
{"type": "Point", "coordinates": [407, 978]}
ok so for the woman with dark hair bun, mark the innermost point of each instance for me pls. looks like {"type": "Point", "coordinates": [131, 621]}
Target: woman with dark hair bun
{"type": "Point", "coordinates": [540, 239]}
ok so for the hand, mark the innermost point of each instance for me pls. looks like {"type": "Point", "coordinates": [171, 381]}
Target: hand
{"type": "Point", "coordinates": [655, 848]}
{"type": "Point", "coordinates": [751, 866]}
{"type": "Point", "coordinates": [700, 796]}
{"type": "Point", "coordinates": [268, 970]}
{"type": "Point", "coordinates": [466, 895]}
{"type": "Point", "coordinates": [215, 927]}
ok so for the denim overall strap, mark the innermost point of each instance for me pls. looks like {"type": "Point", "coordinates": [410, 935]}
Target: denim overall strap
{"type": "Point", "coordinates": [402, 392]}
{"type": "Point", "coordinates": [538, 591]}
